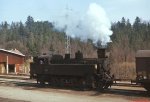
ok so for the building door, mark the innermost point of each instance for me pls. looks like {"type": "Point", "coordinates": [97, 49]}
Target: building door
{"type": "Point", "coordinates": [11, 68]}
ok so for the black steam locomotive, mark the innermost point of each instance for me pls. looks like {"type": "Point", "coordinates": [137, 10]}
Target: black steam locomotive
{"type": "Point", "coordinates": [57, 70]}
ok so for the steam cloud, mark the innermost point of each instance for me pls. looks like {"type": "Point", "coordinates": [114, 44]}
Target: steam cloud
{"type": "Point", "coordinates": [94, 24]}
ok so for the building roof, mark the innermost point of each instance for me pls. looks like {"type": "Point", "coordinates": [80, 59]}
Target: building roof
{"type": "Point", "coordinates": [13, 51]}
{"type": "Point", "coordinates": [143, 53]}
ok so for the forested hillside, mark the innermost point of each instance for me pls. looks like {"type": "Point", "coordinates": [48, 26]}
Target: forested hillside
{"type": "Point", "coordinates": [127, 38]}
{"type": "Point", "coordinates": [36, 37]}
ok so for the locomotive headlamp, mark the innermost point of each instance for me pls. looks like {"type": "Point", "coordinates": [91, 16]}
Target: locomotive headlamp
{"type": "Point", "coordinates": [144, 77]}
{"type": "Point", "coordinates": [95, 66]}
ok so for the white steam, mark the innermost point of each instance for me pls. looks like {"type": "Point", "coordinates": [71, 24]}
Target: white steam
{"type": "Point", "coordinates": [94, 24]}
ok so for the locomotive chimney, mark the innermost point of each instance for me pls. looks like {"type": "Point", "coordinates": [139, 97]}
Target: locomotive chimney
{"type": "Point", "coordinates": [101, 52]}
{"type": "Point", "coordinates": [79, 55]}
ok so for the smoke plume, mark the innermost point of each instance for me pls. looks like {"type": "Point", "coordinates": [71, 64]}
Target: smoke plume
{"type": "Point", "coordinates": [94, 24]}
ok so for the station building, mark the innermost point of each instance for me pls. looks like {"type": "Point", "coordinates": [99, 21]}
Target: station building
{"type": "Point", "coordinates": [11, 61]}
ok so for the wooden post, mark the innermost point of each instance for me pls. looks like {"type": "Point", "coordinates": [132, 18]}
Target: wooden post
{"type": "Point", "coordinates": [15, 69]}
{"type": "Point", "coordinates": [7, 69]}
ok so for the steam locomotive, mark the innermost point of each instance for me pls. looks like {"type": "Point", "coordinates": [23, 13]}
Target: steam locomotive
{"type": "Point", "coordinates": [57, 70]}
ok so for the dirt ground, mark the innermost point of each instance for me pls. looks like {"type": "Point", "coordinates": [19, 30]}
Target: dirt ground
{"type": "Point", "coordinates": [10, 100]}
{"type": "Point", "coordinates": [22, 90]}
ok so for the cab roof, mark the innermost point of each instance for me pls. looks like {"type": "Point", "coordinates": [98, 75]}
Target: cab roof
{"type": "Point", "coordinates": [143, 53]}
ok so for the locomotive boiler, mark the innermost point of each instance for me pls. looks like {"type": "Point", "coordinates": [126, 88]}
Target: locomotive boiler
{"type": "Point", "coordinates": [81, 72]}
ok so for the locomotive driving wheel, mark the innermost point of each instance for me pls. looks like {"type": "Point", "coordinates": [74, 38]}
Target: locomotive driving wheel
{"type": "Point", "coordinates": [100, 85]}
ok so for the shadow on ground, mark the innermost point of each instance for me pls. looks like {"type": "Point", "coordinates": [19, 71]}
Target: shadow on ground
{"type": "Point", "coordinates": [111, 91]}
{"type": "Point", "coordinates": [123, 92]}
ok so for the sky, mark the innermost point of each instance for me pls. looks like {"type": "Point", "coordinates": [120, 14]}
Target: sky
{"type": "Point", "coordinates": [42, 10]}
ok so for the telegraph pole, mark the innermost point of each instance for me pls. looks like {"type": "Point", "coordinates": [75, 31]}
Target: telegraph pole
{"type": "Point", "coordinates": [67, 42]}
{"type": "Point", "coordinates": [67, 45]}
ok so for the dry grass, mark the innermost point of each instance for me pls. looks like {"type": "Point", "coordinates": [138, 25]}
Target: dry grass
{"type": "Point", "coordinates": [125, 70]}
